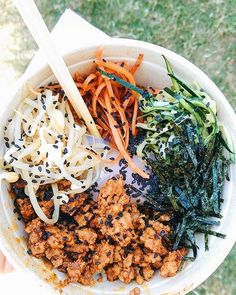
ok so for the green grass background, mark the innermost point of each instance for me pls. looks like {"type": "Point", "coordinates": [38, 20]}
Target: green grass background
{"type": "Point", "coordinates": [202, 31]}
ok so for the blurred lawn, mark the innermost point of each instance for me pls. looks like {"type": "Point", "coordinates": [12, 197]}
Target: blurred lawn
{"type": "Point", "coordinates": [202, 31]}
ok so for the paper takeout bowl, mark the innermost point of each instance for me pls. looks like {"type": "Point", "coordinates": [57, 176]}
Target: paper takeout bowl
{"type": "Point", "coordinates": [152, 72]}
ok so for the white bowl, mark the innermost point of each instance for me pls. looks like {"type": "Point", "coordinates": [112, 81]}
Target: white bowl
{"type": "Point", "coordinates": [152, 72]}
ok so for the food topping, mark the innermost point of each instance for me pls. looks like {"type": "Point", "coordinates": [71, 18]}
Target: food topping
{"type": "Point", "coordinates": [44, 143]}
{"type": "Point", "coordinates": [109, 234]}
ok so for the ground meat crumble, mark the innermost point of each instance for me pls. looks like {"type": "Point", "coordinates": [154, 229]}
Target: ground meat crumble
{"type": "Point", "coordinates": [95, 236]}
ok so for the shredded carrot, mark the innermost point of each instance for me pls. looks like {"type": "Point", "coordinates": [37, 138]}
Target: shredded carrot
{"type": "Point", "coordinates": [118, 141]}
{"type": "Point", "coordinates": [113, 107]}
{"type": "Point", "coordinates": [137, 64]}
{"type": "Point", "coordinates": [88, 80]}
{"type": "Point", "coordinates": [134, 119]}
{"type": "Point", "coordinates": [95, 98]}
{"type": "Point", "coordinates": [116, 68]}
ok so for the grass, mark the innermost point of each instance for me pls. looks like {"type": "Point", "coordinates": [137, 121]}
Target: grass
{"type": "Point", "coordinates": [202, 31]}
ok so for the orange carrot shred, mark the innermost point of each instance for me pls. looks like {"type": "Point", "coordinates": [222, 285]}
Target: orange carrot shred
{"type": "Point", "coordinates": [114, 108]}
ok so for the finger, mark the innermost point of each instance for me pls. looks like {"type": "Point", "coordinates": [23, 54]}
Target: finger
{"type": "Point", "coordinates": [5, 266]}
{"type": "Point", "coordinates": [2, 259]}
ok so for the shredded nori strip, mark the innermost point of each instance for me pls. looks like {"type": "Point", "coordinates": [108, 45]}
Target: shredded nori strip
{"type": "Point", "coordinates": [191, 169]}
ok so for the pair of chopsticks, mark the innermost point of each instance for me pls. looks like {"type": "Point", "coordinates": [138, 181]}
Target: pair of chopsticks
{"type": "Point", "coordinates": [40, 33]}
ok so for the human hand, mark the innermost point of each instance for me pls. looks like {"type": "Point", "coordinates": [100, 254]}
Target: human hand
{"type": "Point", "coordinates": [5, 266]}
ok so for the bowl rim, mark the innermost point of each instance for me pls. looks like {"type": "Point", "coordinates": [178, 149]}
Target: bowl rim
{"type": "Point", "coordinates": [196, 280]}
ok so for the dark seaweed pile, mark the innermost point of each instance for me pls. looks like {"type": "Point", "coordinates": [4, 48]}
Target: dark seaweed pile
{"type": "Point", "coordinates": [190, 186]}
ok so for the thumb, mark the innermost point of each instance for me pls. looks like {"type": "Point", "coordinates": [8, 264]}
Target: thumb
{"type": "Point", "coordinates": [5, 266]}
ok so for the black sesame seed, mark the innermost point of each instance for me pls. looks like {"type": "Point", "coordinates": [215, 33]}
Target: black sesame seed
{"type": "Point", "coordinates": [48, 171]}
{"type": "Point", "coordinates": [34, 181]}
{"type": "Point", "coordinates": [162, 233]}
{"type": "Point", "coordinates": [89, 157]}
{"type": "Point", "coordinates": [120, 214]}
{"type": "Point", "coordinates": [61, 92]}
{"type": "Point", "coordinates": [44, 235]}
{"type": "Point", "coordinates": [59, 197]}
{"type": "Point", "coordinates": [29, 252]}
{"type": "Point", "coordinates": [55, 146]}
{"type": "Point", "coordinates": [109, 217]}
{"type": "Point", "coordinates": [39, 168]}
{"type": "Point", "coordinates": [65, 151]}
